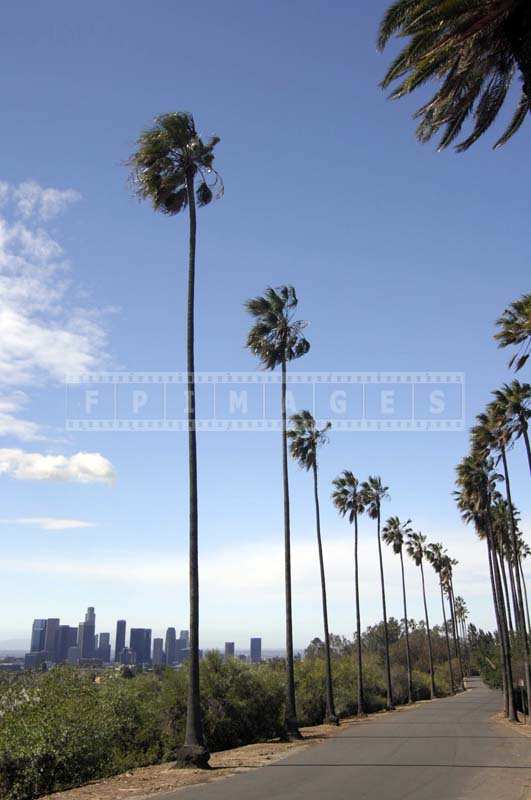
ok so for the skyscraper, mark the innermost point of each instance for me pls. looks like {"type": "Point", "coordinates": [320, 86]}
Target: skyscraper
{"type": "Point", "coordinates": [185, 636]}
{"type": "Point", "coordinates": [140, 644]}
{"type": "Point", "coordinates": [50, 638]}
{"type": "Point", "coordinates": [229, 649]}
{"type": "Point", "coordinates": [120, 638]}
{"type": "Point", "coordinates": [171, 646]}
{"type": "Point", "coordinates": [38, 633]}
{"type": "Point", "coordinates": [147, 649]}
{"type": "Point", "coordinates": [158, 653]}
{"type": "Point", "coordinates": [256, 650]}
{"type": "Point", "coordinates": [104, 647]}
{"type": "Point", "coordinates": [66, 638]}
{"type": "Point", "coordinates": [85, 639]}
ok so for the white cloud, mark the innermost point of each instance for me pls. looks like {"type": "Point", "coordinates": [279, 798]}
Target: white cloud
{"type": "Point", "coordinates": [43, 334]}
{"type": "Point", "coordinates": [50, 523]}
{"type": "Point", "coordinates": [78, 468]}
{"type": "Point", "coordinates": [4, 192]}
{"type": "Point", "coordinates": [10, 425]}
{"type": "Point", "coordinates": [32, 199]}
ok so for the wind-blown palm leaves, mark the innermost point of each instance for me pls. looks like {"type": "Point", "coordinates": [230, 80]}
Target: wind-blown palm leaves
{"type": "Point", "coordinates": [473, 49]}
{"type": "Point", "coordinates": [305, 439]}
{"type": "Point", "coordinates": [350, 502]}
{"type": "Point", "coordinates": [515, 330]}
{"type": "Point", "coordinates": [416, 548]}
{"type": "Point", "coordinates": [514, 402]}
{"type": "Point", "coordinates": [436, 555]}
{"type": "Point", "coordinates": [173, 168]}
{"type": "Point", "coordinates": [395, 533]}
{"type": "Point", "coordinates": [276, 338]}
{"type": "Point", "coordinates": [374, 492]}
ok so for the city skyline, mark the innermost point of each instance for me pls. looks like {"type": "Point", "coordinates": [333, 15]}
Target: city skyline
{"type": "Point", "coordinates": [54, 642]}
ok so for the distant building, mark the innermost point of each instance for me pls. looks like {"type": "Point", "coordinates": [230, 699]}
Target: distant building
{"type": "Point", "coordinates": [85, 639]}
{"type": "Point", "coordinates": [158, 653]}
{"type": "Point", "coordinates": [66, 638]}
{"type": "Point", "coordinates": [171, 646]}
{"type": "Point", "coordinates": [140, 644]}
{"type": "Point", "coordinates": [185, 637]}
{"type": "Point", "coordinates": [256, 650]}
{"type": "Point", "coordinates": [127, 656]}
{"type": "Point", "coordinates": [103, 651]}
{"type": "Point", "coordinates": [120, 638]}
{"type": "Point", "coordinates": [50, 639]}
{"type": "Point", "coordinates": [242, 657]}
{"type": "Point", "coordinates": [34, 660]}
{"type": "Point", "coordinates": [74, 655]}
{"type": "Point", "coordinates": [229, 649]}
{"type": "Point", "coordinates": [38, 633]}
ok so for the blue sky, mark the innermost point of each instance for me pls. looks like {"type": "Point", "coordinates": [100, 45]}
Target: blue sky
{"type": "Point", "coordinates": [402, 259]}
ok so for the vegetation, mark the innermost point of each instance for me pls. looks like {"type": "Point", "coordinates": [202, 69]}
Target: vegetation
{"type": "Point", "coordinates": [64, 727]}
{"type": "Point", "coordinates": [173, 168]}
{"type": "Point", "coordinates": [515, 329]}
{"type": "Point", "coordinates": [474, 50]}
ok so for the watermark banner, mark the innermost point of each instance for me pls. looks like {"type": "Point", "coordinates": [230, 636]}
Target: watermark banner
{"type": "Point", "coordinates": [250, 401]}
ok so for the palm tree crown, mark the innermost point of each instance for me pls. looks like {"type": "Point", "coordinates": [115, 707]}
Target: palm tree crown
{"type": "Point", "coordinates": [395, 533]}
{"type": "Point", "coordinates": [474, 49]}
{"type": "Point", "coordinates": [515, 329]}
{"type": "Point", "coordinates": [374, 492]}
{"type": "Point", "coordinates": [276, 337]}
{"type": "Point", "coordinates": [347, 496]}
{"type": "Point", "coordinates": [305, 437]}
{"type": "Point", "coordinates": [416, 547]}
{"type": "Point", "coordinates": [167, 155]}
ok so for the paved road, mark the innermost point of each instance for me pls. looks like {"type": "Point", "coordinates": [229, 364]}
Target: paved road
{"type": "Point", "coordinates": [450, 749]}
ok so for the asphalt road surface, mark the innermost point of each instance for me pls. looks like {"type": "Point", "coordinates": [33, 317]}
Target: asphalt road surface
{"type": "Point", "coordinates": [450, 749]}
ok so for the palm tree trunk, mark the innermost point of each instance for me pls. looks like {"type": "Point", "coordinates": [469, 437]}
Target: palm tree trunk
{"type": "Point", "coordinates": [525, 593]}
{"type": "Point", "coordinates": [506, 590]}
{"type": "Point", "coordinates": [504, 664]}
{"type": "Point", "coordinates": [331, 716]}
{"type": "Point", "coordinates": [390, 703]}
{"type": "Point", "coordinates": [499, 607]}
{"type": "Point", "coordinates": [457, 643]}
{"type": "Point", "coordinates": [448, 651]}
{"type": "Point", "coordinates": [361, 702]}
{"type": "Point", "coordinates": [430, 653]}
{"type": "Point", "coordinates": [292, 727]}
{"type": "Point", "coordinates": [406, 628]}
{"type": "Point", "coordinates": [523, 631]}
{"type": "Point", "coordinates": [525, 433]}
{"type": "Point", "coordinates": [194, 752]}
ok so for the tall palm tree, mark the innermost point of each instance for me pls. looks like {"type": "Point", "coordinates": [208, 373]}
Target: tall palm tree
{"type": "Point", "coordinates": [435, 554]}
{"type": "Point", "coordinates": [515, 401]}
{"type": "Point", "coordinates": [515, 329]}
{"type": "Point", "coordinates": [305, 439]}
{"type": "Point", "coordinates": [373, 493]}
{"type": "Point", "coordinates": [473, 50]}
{"type": "Point", "coordinates": [173, 168]}
{"type": "Point", "coordinates": [476, 481]}
{"type": "Point", "coordinates": [395, 534]}
{"type": "Point", "coordinates": [276, 338]}
{"type": "Point", "coordinates": [493, 434]}
{"type": "Point", "coordinates": [447, 575]}
{"type": "Point", "coordinates": [416, 548]}
{"type": "Point", "coordinates": [349, 501]}
{"type": "Point", "coordinates": [461, 616]}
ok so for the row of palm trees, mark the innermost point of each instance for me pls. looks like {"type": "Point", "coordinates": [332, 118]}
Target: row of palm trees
{"type": "Point", "coordinates": [485, 499]}
{"type": "Point", "coordinates": [277, 338]}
